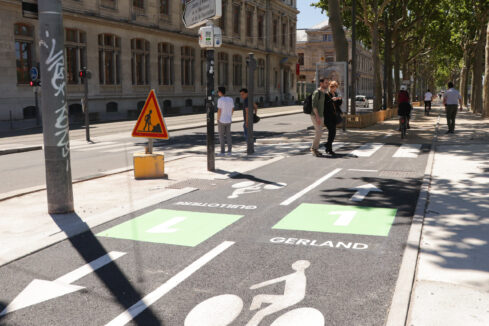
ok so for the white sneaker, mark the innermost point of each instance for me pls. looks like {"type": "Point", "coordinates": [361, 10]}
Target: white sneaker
{"type": "Point", "coordinates": [229, 153]}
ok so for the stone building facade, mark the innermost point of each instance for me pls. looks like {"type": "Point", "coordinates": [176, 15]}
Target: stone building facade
{"type": "Point", "coordinates": [132, 46]}
{"type": "Point", "coordinates": [316, 45]}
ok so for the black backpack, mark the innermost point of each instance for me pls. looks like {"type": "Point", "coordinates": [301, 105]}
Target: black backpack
{"type": "Point", "coordinates": [307, 107]}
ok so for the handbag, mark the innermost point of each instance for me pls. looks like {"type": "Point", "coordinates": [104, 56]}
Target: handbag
{"type": "Point", "coordinates": [339, 117]}
{"type": "Point", "coordinates": [256, 118]}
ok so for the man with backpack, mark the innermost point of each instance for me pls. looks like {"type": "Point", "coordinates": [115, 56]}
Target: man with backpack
{"type": "Point", "coordinates": [316, 111]}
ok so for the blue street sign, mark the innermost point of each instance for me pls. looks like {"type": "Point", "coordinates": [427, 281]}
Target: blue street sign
{"type": "Point", "coordinates": [34, 73]}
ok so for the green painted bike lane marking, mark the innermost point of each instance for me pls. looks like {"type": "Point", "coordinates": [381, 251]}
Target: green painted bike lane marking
{"type": "Point", "coordinates": [172, 227]}
{"type": "Point", "coordinates": [339, 219]}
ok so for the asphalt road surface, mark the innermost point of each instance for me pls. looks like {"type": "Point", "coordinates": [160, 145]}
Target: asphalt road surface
{"type": "Point", "coordinates": [302, 241]}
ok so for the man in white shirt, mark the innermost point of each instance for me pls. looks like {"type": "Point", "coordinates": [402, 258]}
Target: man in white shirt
{"type": "Point", "coordinates": [427, 102]}
{"type": "Point", "coordinates": [451, 98]}
{"type": "Point", "coordinates": [225, 109]}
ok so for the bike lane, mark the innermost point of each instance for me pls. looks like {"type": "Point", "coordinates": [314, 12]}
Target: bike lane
{"type": "Point", "coordinates": [301, 218]}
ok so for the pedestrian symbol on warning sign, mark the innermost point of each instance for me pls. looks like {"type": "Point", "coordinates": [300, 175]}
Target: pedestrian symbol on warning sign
{"type": "Point", "coordinates": [150, 123]}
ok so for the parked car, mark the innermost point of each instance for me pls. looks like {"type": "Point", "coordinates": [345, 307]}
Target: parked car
{"type": "Point", "coordinates": [361, 101]}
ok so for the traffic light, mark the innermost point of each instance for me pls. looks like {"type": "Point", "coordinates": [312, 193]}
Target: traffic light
{"type": "Point", "coordinates": [36, 82]}
{"type": "Point", "coordinates": [83, 73]}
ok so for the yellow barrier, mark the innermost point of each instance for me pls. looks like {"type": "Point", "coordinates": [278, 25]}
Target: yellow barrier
{"type": "Point", "coordinates": [368, 119]}
{"type": "Point", "coordinates": [149, 166]}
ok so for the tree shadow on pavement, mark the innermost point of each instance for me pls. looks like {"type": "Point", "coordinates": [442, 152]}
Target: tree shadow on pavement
{"type": "Point", "coordinates": [89, 248]}
{"type": "Point", "coordinates": [400, 194]}
{"type": "Point", "coordinates": [250, 177]}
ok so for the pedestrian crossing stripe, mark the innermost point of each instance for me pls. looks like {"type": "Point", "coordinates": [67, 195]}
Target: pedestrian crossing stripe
{"type": "Point", "coordinates": [150, 123]}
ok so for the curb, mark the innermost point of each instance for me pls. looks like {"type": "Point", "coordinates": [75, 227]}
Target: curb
{"type": "Point", "coordinates": [399, 309]}
{"type": "Point", "coordinates": [19, 150]}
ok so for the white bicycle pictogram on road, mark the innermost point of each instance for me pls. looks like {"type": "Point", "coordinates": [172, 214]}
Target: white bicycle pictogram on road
{"type": "Point", "coordinates": [222, 310]}
{"type": "Point", "coordinates": [248, 187]}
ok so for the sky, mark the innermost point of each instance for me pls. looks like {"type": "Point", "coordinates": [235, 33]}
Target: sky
{"type": "Point", "coordinates": [308, 16]}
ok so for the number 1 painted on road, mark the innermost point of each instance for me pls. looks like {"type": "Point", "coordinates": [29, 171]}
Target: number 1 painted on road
{"type": "Point", "coordinates": [166, 227]}
{"type": "Point", "coordinates": [345, 217]}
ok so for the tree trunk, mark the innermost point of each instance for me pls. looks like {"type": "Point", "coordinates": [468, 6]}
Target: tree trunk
{"type": "Point", "coordinates": [376, 61]}
{"type": "Point", "coordinates": [476, 99]}
{"type": "Point", "coordinates": [397, 71]}
{"type": "Point", "coordinates": [388, 64]}
{"type": "Point", "coordinates": [485, 109]}
{"type": "Point", "coordinates": [339, 38]}
{"type": "Point", "coordinates": [464, 74]}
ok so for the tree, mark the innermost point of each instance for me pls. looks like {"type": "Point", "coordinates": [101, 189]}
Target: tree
{"type": "Point", "coordinates": [485, 110]}
{"type": "Point", "coordinates": [339, 38]}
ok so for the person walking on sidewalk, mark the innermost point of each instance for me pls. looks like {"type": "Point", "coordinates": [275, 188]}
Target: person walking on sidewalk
{"type": "Point", "coordinates": [427, 102]}
{"type": "Point", "coordinates": [244, 96]}
{"type": "Point", "coordinates": [225, 109]}
{"type": "Point", "coordinates": [332, 105]}
{"type": "Point", "coordinates": [317, 115]}
{"type": "Point", "coordinates": [451, 99]}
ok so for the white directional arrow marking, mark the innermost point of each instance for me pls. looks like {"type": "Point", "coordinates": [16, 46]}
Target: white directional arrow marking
{"type": "Point", "coordinates": [166, 227]}
{"type": "Point", "coordinates": [40, 290]}
{"type": "Point", "coordinates": [363, 191]}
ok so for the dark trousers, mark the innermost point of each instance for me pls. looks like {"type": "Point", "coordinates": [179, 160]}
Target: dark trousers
{"type": "Point", "coordinates": [427, 105]}
{"type": "Point", "coordinates": [451, 114]}
{"type": "Point", "coordinates": [331, 135]}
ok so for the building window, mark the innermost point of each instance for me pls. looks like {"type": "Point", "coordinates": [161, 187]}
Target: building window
{"type": "Point", "coordinates": [261, 73]}
{"type": "Point", "coordinates": [140, 61]}
{"type": "Point", "coordinates": [165, 64]}
{"type": "Point", "coordinates": [222, 69]}
{"type": "Point", "coordinates": [24, 38]}
{"type": "Point", "coordinates": [75, 48]}
{"type": "Point", "coordinates": [187, 64]}
{"type": "Point", "coordinates": [328, 37]}
{"type": "Point", "coordinates": [284, 33]}
{"type": "Point", "coordinates": [275, 31]}
{"type": "Point", "coordinates": [249, 23]}
{"type": "Point", "coordinates": [111, 107]}
{"type": "Point", "coordinates": [222, 20]}
{"type": "Point", "coordinates": [165, 7]}
{"type": "Point", "coordinates": [261, 25]}
{"type": "Point", "coordinates": [203, 67]}
{"type": "Point", "coordinates": [237, 70]}
{"type": "Point", "coordinates": [138, 4]}
{"type": "Point", "coordinates": [108, 3]}
{"type": "Point", "coordinates": [109, 59]}
{"type": "Point", "coordinates": [300, 58]}
{"type": "Point", "coordinates": [236, 19]}
{"type": "Point", "coordinates": [291, 36]}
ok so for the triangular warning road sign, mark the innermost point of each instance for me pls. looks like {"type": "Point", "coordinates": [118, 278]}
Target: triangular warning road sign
{"type": "Point", "coordinates": [150, 122]}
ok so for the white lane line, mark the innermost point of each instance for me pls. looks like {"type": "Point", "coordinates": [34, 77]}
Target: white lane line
{"type": "Point", "coordinates": [89, 145]}
{"type": "Point", "coordinates": [337, 146]}
{"type": "Point", "coordinates": [309, 188]}
{"type": "Point", "coordinates": [166, 287]}
{"type": "Point", "coordinates": [90, 268]}
{"type": "Point", "coordinates": [102, 147]}
{"type": "Point", "coordinates": [360, 170]}
{"type": "Point", "coordinates": [367, 150]}
{"type": "Point", "coordinates": [408, 151]}
{"type": "Point", "coordinates": [124, 149]}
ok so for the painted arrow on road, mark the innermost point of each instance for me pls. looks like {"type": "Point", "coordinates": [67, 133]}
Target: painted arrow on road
{"type": "Point", "coordinates": [41, 290]}
{"type": "Point", "coordinates": [363, 191]}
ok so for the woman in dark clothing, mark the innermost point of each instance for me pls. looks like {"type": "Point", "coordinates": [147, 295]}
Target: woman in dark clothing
{"type": "Point", "coordinates": [332, 105]}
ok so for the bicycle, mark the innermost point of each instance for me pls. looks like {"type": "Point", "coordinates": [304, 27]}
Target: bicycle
{"type": "Point", "coordinates": [222, 310]}
{"type": "Point", "coordinates": [403, 126]}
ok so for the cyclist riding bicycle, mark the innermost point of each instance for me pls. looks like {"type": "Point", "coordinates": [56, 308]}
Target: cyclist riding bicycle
{"type": "Point", "coordinates": [404, 107]}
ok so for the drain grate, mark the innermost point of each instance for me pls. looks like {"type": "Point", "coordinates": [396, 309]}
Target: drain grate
{"type": "Point", "coordinates": [202, 184]}
{"type": "Point", "coordinates": [398, 174]}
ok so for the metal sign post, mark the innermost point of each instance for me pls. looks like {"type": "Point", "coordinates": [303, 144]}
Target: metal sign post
{"type": "Point", "coordinates": [251, 103]}
{"type": "Point", "coordinates": [211, 166]}
{"type": "Point", "coordinates": [197, 13]}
